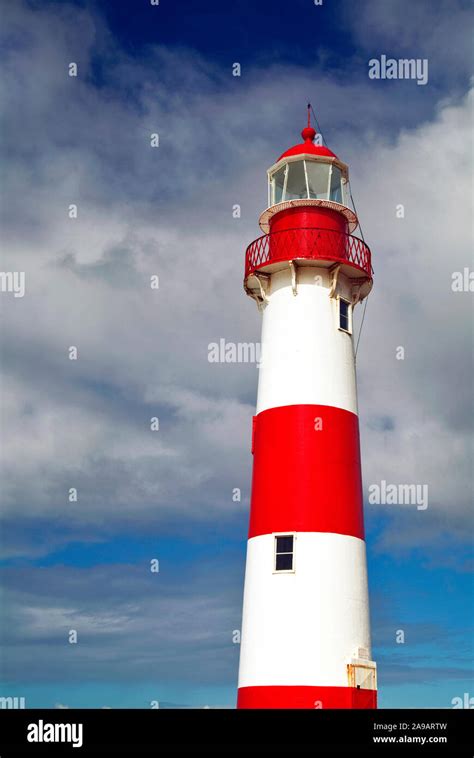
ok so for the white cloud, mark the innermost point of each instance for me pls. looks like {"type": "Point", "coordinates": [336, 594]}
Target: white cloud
{"type": "Point", "coordinates": [130, 624]}
{"type": "Point", "coordinates": [144, 353]}
{"type": "Point", "coordinates": [428, 394]}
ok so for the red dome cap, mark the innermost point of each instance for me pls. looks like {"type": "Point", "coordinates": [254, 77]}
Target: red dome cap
{"type": "Point", "coordinates": [308, 145]}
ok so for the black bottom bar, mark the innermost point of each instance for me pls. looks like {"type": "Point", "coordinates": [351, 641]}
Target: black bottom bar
{"type": "Point", "coordinates": [319, 732]}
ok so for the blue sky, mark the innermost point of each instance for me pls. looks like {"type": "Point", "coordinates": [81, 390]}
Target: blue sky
{"type": "Point", "coordinates": [85, 424]}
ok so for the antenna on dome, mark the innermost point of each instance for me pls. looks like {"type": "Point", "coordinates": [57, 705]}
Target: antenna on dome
{"type": "Point", "coordinates": [308, 132]}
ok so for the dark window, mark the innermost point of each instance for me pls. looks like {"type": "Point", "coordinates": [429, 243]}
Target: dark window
{"type": "Point", "coordinates": [284, 562]}
{"type": "Point", "coordinates": [285, 544]}
{"type": "Point", "coordinates": [284, 553]}
{"type": "Point", "coordinates": [344, 315]}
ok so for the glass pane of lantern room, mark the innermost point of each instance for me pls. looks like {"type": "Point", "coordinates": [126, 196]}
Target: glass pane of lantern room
{"type": "Point", "coordinates": [278, 181]}
{"type": "Point", "coordinates": [296, 183]}
{"type": "Point", "coordinates": [346, 195]}
{"type": "Point", "coordinates": [335, 190]}
{"type": "Point", "coordinates": [318, 179]}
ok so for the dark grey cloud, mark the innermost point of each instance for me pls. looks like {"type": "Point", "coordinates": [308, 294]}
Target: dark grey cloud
{"type": "Point", "coordinates": [403, 29]}
{"type": "Point", "coordinates": [168, 211]}
{"type": "Point", "coordinates": [175, 625]}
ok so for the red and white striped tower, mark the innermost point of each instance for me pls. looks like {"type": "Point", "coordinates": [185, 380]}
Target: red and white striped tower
{"type": "Point", "coordinates": [305, 639]}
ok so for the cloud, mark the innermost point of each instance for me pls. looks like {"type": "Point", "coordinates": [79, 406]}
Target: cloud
{"type": "Point", "coordinates": [168, 211]}
{"type": "Point", "coordinates": [131, 624]}
{"type": "Point", "coordinates": [402, 29]}
{"type": "Point", "coordinates": [413, 306]}
{"type": "Point", "coordinates": [143, 352]}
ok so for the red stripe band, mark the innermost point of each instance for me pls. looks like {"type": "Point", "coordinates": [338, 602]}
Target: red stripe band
{"type": "Point", "coordinates": [306, 697]}
{"type": "Point", "coordinates": [306, 471]}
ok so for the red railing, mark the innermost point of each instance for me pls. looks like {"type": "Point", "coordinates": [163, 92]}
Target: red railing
{"type": "Point", "coordinates": [325, 244]}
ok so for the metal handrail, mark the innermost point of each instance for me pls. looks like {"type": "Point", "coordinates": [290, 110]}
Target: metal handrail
{"type": "Point", "coordinates": [310, 243]}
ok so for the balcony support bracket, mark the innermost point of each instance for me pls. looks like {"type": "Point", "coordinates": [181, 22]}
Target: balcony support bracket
{"type": "Point", "coordinates": [356, 295]}
{"type": "Point", "coordinates": [334, 277]}
{"type": "Point", "coordinates": [260, 297]}
{"type": "Point", "coordinates": [294, 282]}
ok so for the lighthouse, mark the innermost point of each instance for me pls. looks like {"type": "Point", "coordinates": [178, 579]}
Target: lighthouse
{"type": "Point", "coordinates": [305, 640]}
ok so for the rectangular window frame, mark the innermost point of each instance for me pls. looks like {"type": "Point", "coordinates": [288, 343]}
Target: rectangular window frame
{"type": "Point", "coordinates": [349, 315]}
{"type": "Point", "coordinates": [293, 553]}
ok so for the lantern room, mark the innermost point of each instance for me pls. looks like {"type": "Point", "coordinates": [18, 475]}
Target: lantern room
{"type": "Point", "coordinates": [311, 178]}
{"type": "Point", "coordinates": [309, 219]}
